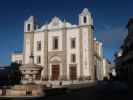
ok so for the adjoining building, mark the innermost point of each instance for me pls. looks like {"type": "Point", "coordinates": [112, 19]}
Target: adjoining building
{"type": "Point", "coordinates": [107, 69]}
{"type": "Point", "coordinates": [17, 57]}
{"type": "Point", "coordinates": [124, 58]}
{"type": "Point", "coordinates": [65, 51]}
{"type": "Point", "coordinates": [102, 66]}
{"type": "Point", "coordinates": [98, 60]}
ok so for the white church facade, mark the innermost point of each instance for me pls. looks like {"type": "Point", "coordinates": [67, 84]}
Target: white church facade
{"type": "Point", "coordinates": [64, 51]}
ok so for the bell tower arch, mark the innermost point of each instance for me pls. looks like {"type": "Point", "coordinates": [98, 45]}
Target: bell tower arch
{"type": "Point", "coordinates": [85, 18]}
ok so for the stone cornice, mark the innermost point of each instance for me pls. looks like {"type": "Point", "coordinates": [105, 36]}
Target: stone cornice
{"type": "Point", "coordinates": [67, 28]}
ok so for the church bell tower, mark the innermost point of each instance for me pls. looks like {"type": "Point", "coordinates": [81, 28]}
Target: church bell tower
{"type": "Point", "coordinates": [85, 18]}
{"type": "Point", "coordinates": [86, 39]}
{"type": "Point", "coordinates": [29, 28]}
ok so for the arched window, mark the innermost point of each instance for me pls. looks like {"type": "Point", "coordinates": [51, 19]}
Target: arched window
{"type": "Point", "coordinates": [38, 59]}
{"type": "Point", "coordinates": [85, 19]}
{"type": "Point", "coordinates": [28, 27]}
{"type": "Point", "coordinates": [38, 45]}
{"type": "Point", "coordinates": [55, 43]}
{"type": "Point", "coordinates": [73, 43]}
{"type": "Point", "coordinates": [73, 58]}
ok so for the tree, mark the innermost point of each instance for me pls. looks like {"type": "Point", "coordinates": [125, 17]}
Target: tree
{"type": "Point", "coordinates": [14, 75]}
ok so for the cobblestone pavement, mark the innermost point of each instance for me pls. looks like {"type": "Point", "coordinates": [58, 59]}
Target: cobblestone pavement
{"type": "Point", "coordinates": [100, 91]}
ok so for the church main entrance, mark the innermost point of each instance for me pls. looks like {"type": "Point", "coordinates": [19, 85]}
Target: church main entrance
{"type": "Point", "coordinates": [55, 72]}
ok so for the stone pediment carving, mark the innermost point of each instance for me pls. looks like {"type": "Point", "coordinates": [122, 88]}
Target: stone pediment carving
{"type": "Point", "coordinates": [55, 23]}
{"type": "Point", "coordinates": [55, 59]}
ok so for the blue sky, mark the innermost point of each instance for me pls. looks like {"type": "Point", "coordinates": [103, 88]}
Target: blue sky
{"type": "Point", "coordinates": [110, 19]}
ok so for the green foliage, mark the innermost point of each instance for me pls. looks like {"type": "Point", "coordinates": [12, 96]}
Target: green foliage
{"type": "Point", "coordinates": [14, 75]}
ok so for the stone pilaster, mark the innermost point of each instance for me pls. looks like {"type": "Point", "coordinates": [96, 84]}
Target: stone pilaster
{"type": "Point", "coordinates": [81, 52]}
{"type": "Point", "coordinates": [91, 54]}
{"type": "Point", "coordinates": [24, 46]}
{"type": "Point", "coordinates": [46, 53]}
{"type": "Point", "coordinates": [64, 45]}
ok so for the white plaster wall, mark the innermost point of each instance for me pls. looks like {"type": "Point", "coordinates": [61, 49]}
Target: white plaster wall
{"type": "Point", "coordinates": [51, 35]}
{"type": "Point", "coordinates": [39, 36]}
{"type": "Point", "coordinates": [86, 71]}
{"type": "Point", "coordinates": [104, 67]}
{"type": "Point", "coordinates": [73, 33]}
{"type": "Point", "coordinates": [27, 51]}
{"type": "Point", "coordinates": [100, 50]}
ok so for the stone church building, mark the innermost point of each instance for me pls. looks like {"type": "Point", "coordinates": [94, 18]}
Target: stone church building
{"type": "Point", "coordinates": [63, 50]}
